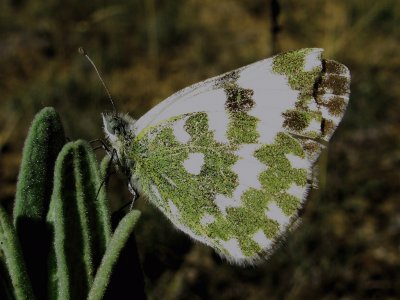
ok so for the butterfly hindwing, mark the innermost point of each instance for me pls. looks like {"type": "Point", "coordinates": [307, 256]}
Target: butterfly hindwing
{"type": "Point", "coordinates": [228, 160]}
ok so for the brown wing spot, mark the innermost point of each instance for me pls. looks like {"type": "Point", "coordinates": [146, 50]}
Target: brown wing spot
{"type": "Point", "coordinates": [327, 126]}
{"type": "Point", "coordinates": [311, 147]}
{"type": "Point", "coordinates": [335, 105]}
{"type": "Point", "coordinates": [335, 84]}
{"type": "Point", "coordinates": [238, 99]}
{"type": "Point", "coordinates": [334, 67]}
{"type": "Point", "coordinates": [296, 120]}
{"type": "Point", "coordinates": [334, 80]}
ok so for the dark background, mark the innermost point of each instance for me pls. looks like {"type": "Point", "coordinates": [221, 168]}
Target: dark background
{"type": "Point", "coordinates": [349, 242]}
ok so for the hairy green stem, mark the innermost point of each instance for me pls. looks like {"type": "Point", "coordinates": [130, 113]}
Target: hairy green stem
{"type": "Point", "coordinates": [81, 221]}
{"type": "Point", "coordinates": [11, 255]}
{"type": "Point", "coordinates": [35, 183]}
{"type": "Point", "coordinates": [110, 258]}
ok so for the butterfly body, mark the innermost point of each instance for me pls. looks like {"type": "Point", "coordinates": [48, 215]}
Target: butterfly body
{"type": "Point", "coordinates": [229, 160]}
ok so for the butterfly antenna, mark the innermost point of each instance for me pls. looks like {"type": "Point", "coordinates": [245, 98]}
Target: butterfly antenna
{"type": "Point", "coordinates": [84, 53]}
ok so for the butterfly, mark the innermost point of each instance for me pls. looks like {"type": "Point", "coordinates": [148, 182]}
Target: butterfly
{"type": "Point", "coordinates": [229, 160]}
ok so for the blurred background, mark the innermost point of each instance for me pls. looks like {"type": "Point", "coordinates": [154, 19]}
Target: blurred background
{"type": "Point", "coordinates": [348, 246]}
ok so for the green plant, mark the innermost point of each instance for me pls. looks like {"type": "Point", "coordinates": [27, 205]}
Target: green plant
{"type": "Point", "coordinates": [61, 245]}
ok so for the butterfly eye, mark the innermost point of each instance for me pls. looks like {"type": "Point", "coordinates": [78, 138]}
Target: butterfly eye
{"type": "Point", "coordinates": [109, 126]}
{"type": "Point", "coordinates": [116, 126]}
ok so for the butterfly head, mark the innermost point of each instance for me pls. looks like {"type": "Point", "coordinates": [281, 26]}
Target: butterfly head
{"type": "Point", "coordinates": [117, 126]}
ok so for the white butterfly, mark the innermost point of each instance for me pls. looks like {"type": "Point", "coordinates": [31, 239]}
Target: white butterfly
{"type": "Point", "coordinates": [229, 160]}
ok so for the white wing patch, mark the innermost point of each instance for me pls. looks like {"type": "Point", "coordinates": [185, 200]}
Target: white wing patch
{"type": "Point", "coordinates": [207, 219]}
{"type": "Point", "coordinates": [261, 239]}
{"type": "Point", "coordinates": [274, 212]}
{"type": "Point", "coordinates": [312, 60]}
{"type": "Point", "coordinates": [233, 248]}
{"type": "Point", "coordinates": [296, 191]}
{"type": "Point", "coordinates": [224, 202]}
{"type": "Point", "coordinates": [194, 163]}
{"type": "Point", "coordinates": [248, 168]}
{"type": "Point", "coordinates": [297, 161]}
{"type": "Point", "coordinates": [156, 192]}
{"type": "Point", "coordinates": [314, 126]}
{"type": "Point", "coordinates": [174, 209]}
{"type": "Point", "coordinates": [218, 122]}
{"type": "Point", "coordinates": [180, 133]}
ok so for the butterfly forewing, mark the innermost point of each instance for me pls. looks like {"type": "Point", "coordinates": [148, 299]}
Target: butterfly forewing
{"type": "Point", "coordinates": [229, 160]}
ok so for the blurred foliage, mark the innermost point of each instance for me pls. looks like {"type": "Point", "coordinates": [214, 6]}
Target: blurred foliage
{"type": "Point", "coordinates": [348, 244]}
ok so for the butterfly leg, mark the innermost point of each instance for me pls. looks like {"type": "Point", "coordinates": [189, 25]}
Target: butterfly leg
{"type": "Point", "coordinates": [107, 175]}
{"type": "Point", "coordinates": [102, 145]}
{"type": "Point", "coordinates": [103, 181]}
{"type": "Point", "coordinates": [134, 194]}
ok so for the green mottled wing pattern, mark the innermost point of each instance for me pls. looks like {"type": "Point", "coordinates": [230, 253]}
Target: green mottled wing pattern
{"type": "Point", "coordinates": [229, 160]}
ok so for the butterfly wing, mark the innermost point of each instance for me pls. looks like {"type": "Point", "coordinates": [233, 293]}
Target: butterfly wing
{"type": "Point", "coordinates": [228, 160]}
